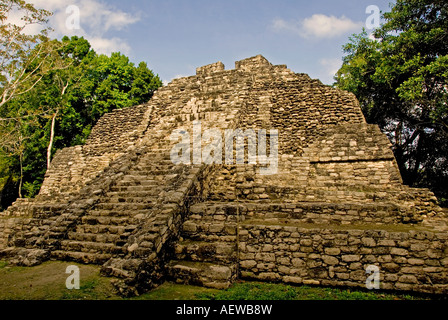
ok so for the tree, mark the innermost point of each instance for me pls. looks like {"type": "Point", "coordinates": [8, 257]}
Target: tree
{"type": "Point", "coordinates": [19, 72]}
{"type": "Point", "coordinates": [120, 84]}
{"type": "Point", "coordinates": [52, 93]}
{"type": "Point", "coordinates": [401, 80]}
{"type": "Point", "coordinates": [13, 144]}
{"type": "Point", "coordinates": [24, 61]}
{"type": "Point", "coordinates": [66, 103]}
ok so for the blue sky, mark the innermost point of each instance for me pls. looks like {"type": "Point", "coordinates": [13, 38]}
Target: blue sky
{"type": "Point", "coordinates": [174, 36]}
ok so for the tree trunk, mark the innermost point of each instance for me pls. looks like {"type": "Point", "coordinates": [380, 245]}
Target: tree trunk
{"type": "Point", "coordinates": [415, 175]}
{"type": "Point", "coordinates": [50, 144]}
{"type": "Point", "coordinates": [21, 175]}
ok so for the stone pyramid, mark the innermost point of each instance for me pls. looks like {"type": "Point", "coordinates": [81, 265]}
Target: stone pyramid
{"type": "Point", "coordinates": [328, 207]}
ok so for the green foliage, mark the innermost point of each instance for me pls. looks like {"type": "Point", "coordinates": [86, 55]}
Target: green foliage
{"type": "Point", "coordinates": [271, 291]}
{"type": "Point", "coordinates": [87, 87]}
{"type": "Point", "coordinates": [401, 80]}
{"type": "Point", "coordinates": [256, 291]}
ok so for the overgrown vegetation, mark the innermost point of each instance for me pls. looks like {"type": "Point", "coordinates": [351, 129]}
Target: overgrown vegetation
{"type": "Point", "coordinates": [52, 92]}
{"type": "Point", "coordinates": [269, 291]}
{"type": "Point", "coordinates": [400, 78]}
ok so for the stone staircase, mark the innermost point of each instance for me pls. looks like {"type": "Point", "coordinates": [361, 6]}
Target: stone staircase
{"type": "Point", "coordinates": [104, 230]}
{"type": "Point", "coordinates": [206, 254]}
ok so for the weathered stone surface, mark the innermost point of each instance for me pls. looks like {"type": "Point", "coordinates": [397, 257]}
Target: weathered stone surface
{"type": "Point", "coordinates": [334, 204]}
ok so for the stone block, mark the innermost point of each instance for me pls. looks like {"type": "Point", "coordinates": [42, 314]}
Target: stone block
{"type": "Point", "coordinates": [399, 252]}
{"type": "Point", "coordinates": [248, 264]}
{"type": "Point", "coordinates": [296, 262]}
{"type": "Point", "coordinates": [414, 261]}
{"type": "Point", "coordinates": [330, 260]}
{"type": "Point", "coordinates": [408, 279]}
{"type": "Point", "coordinates": [189, 226]}
{"type": "Point", "coordinates": [350, 257]}
{"type": "Point", "coordinates": [368, 242]}
{"type": "Point", "coordinates": [332, 251]}
{"type": "Point", "coordinates": [292, 279]}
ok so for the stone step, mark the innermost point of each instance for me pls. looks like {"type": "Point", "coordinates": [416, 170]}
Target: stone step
{"type": "Point", "coordinates": [137, 174]}
{"type": "Point", "coordinates": [82, 257]}
{"type": "Point", "coordinates": [230, 208]}
{"type": "Point", "coordinates": [90, 246]}
{"type": "Point", "coordinates": [153, 192]}
{"type": "Point", "coordinates": [140, 182]}
{"type": "Point", "coordinates": [150, 172]}
{"type": "Point", "coordinates": [150, 186]}
{"type": "Point", "coordinates": [208, 213]}
{"type": "Point", "coordinates": [36, 209]}
{"type": "Point", "coordinates": [140, 175]}
{"type": "Point", "coordinates": [323, 193]}
{"type": "Point", "coordinates": [94, 237]}
{"type": "Point", "coordinates": [150, 164]}
{"type": "Point", "coordinates": [118, 213]}
{"type": "Point", "coordinates": [209, 230]}
{"type": "Point", "coordinates": [123, 206]}
{"type": "Point", "coordinates": [156, 159]}
{"type": "Point", "coordinates": [134, 188]}
{"type": "Point", "coordinates": [131, 199]}
{"type": "Point", "coordinates": [105, 220]}
{"type": "Point", "coordinates": [205, 274]}
{"type": "Point", "coordinates": [106, 228]}
{"type": "Point", "coordinates": [101, 228]}
{"type": "Point", "coordinates": [220, 252]}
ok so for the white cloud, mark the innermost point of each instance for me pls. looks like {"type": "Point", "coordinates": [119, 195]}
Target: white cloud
{"type": "Point", "coordinates": [15, 17]}
{"type": "Point", "coordinates": [107, 46]}
{"type": "Point", "coordinates": [329, 68]}
{"type": "Point", "coordinates": [318, 26]}
{"type": "Point", "coordinates": [282, 25]}
{"type": "Point", "coordinates": [322, 26]}
{"type": "Point", "coordinates": [177, 76]}
{"type": "Point", "coordinates": [96, 20]}
{"type": "Point", "coordinates": [331, 65]}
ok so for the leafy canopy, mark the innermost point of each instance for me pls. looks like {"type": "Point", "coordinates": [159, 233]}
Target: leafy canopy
{"type": "Point", "coordinates": [88, 86]}
{"type": "Point", "coordinates": [401, 80]}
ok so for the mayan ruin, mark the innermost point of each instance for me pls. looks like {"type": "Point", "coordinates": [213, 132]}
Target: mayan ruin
{"type": "Point", "coordinates": [331, 205]}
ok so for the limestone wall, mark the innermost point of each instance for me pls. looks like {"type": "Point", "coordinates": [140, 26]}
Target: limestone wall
{"type": "Point", "coordinates": [11, 226]}
{"type": "Point", "coordinates": [407, 260]}
{"type": "Point", "coordinates": [276, 244]}
{"type": "Point", "coordinates": [66, 172]}
{"type": "Point", "coordinates": [73, 167]}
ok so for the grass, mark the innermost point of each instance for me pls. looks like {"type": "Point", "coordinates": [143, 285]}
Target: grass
{"type": "Point", "coordinates": [47, 282]}
{"type": "Point", "coordinates": [269, 291]}
{"type": "Point", "coordinates": [174, 291]}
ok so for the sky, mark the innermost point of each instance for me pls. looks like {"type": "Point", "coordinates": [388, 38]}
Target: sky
{"type": "Point", "coordinates": [174, 37]}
